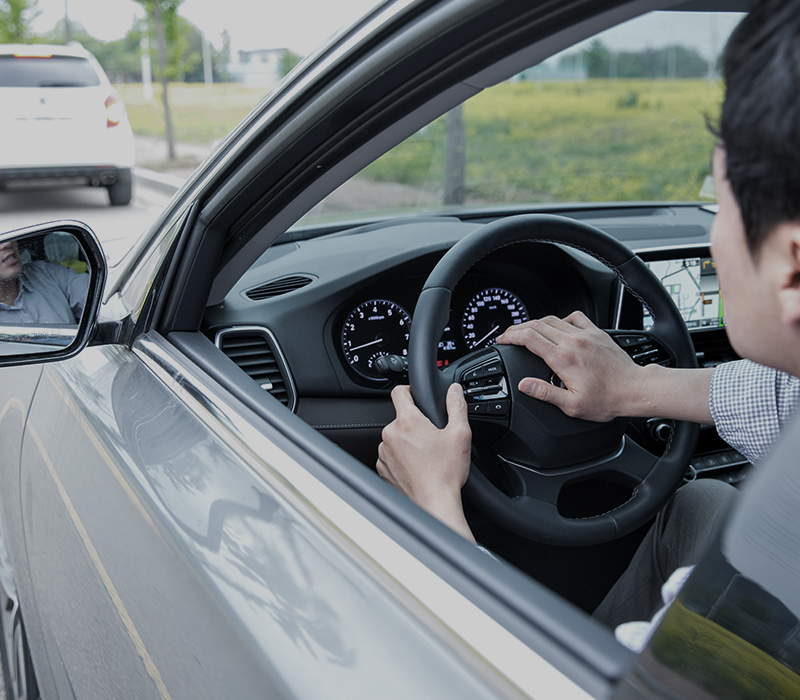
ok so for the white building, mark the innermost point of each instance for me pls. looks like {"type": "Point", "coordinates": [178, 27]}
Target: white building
{"type": "Point", "coordinates": [259, 67]}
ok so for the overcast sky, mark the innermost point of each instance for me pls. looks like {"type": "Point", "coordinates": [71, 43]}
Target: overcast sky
{"type": "Point", "coordinates": [299, 25]}
{"type": "Point", "coordinates": [302, 25]}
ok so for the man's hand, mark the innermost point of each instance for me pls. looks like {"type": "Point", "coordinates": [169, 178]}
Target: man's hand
{"type": "Point", "coordinates": [600, 378]}
{"type": "Point", "coordinates": [601, 381]}
{"type": "Point", "coordinates": [427, 464]}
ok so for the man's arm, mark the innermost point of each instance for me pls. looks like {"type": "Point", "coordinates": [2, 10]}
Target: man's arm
{"type": "Point", "coordinates": [601, 380]}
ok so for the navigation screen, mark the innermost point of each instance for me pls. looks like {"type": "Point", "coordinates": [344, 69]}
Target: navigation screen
{"type": "Point", "coordinates": [692, 284]}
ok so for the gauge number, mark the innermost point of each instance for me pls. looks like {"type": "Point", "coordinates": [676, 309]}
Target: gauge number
{"type": "Point", "coordinates": [488, 314]}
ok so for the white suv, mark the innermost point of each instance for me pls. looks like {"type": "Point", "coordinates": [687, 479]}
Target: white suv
{"type": "Point", "coordinates": [61, 120]}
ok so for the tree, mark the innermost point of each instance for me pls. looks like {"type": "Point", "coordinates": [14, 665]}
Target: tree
{"type": "Point", "coordinates": [289, 59]}
{"type": "Point", "coordinates": [191, 62]}
{"type": "Point", "coordinates": [16, 18]}
{"type": "Point", "coordinates": [163, 16]}
{"type": "Point", "coordinates": [597, 60]}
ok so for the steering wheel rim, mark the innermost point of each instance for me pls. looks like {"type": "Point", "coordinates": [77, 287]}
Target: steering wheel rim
{"type": "Point", "coordinates": [531, 511]}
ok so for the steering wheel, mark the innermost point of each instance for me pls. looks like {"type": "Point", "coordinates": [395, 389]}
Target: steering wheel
{"type": "Point", "coordinates": [539, 449]}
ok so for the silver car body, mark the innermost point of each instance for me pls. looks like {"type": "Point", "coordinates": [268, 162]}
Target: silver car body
{"type": "Point", "coordinates": [172, 532]}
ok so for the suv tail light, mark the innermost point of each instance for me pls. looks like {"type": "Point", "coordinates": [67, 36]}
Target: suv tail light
{"type": "Point", "coordinates": [114, 111]}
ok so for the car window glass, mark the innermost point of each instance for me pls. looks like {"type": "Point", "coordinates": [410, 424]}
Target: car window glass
{"type": "Point", "coordinates": [621, 116]}
{"type": "Point", "coordinates": [47, 71]}
{"type": "Point", "coordinates": [134, 292]}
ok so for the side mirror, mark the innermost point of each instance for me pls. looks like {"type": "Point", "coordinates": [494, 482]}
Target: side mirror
{"type": "Point", "coordinates": [51, 285]}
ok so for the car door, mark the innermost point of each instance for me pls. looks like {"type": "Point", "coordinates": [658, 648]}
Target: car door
{"type": "Point", "coordinates": [168, 559]}
{"type": "Point", "coordinates": [186, 535]}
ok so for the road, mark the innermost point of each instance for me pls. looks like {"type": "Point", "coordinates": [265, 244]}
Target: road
{"type": "Point", "coordinates": [116, 227]}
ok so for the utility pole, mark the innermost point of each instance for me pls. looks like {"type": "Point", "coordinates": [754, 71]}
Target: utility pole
{"type": "Point", "coordinates": [208, 71]}
{"type": "Point", "coordinates": [454, 157]}
{"type": "Point", "coordinates": [67, 25]}
{"type": "Point", "coordinates": [147, 72]}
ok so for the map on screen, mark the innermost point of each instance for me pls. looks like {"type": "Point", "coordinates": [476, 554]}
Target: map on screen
{"type": "Point", "coordinates": [692, 284]}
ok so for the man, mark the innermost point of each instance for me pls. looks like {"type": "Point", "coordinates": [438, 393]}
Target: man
{"type": "Point", "coordinates": [39, 292]}
{"type": "Point", "coordinates": [756, 245]}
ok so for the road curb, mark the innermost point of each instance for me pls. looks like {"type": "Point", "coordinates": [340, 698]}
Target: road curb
{"type": "Point", "coordinates": [168, 184]}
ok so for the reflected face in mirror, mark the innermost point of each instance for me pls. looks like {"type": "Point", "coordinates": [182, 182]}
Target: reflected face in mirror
{"type": "Point", "coordinates": [44, 282]}
{"type": "Point", "coordinates": [10, 262]}
{"type": "Point", "coordinates": [10, 268]}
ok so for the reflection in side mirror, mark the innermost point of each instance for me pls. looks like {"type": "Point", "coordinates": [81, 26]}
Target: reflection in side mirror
{"type": "Point", "coordinates": [49, 275]}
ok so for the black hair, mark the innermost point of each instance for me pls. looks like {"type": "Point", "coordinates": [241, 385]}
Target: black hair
{"type": "Point", "coordinates": [760, 122]}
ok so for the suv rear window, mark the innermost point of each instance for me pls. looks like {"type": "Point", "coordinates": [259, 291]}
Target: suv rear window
{"type": "Point", "coordinates": [48, 71]}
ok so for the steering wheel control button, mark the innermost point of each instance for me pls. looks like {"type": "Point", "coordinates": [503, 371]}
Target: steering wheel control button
{"type": "Point", "coordinates": [486, 389]}
{"type": "Point", "coordinates": [499, 408]}
{"type": "Point", "coordinates": [643, 349]}
{"type": "Point", "coordinates": [493, 370]}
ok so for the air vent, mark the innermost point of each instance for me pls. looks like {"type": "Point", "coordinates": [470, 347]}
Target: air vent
{"type": "Point", "coordinates": [255, 350]}
{"type": "Point", "coordinates": [275, 288]}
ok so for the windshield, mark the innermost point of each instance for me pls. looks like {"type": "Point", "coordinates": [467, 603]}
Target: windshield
{"type": "Point", "coordinates": [46, 71]}
{"type": "Point", "coordinates": [619, 117]}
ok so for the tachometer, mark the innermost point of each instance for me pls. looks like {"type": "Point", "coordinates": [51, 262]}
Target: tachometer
{"type": "Point", "coordinates": [374, 328]}
{"type": "Point", "coordinates": [488, 314]}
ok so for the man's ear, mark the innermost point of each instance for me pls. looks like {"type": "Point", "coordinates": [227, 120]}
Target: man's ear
{"type": "Point", "coordinates": [789, 292]}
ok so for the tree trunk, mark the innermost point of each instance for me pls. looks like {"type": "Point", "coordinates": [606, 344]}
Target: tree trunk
{"type": "Point", "coordinates": [162, 61]}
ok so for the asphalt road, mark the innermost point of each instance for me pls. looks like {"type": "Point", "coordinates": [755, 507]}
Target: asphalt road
{"type": "Point", "coordinates": [116, 227]}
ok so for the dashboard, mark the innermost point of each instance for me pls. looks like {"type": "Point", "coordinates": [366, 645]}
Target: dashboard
{"type": "Point", "coordinates": [327, 308]}
{"type": "Point", "coordinates": [337, 303]}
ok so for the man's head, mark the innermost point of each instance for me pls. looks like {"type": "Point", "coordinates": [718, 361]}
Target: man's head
{"type": "Point", "coordinates": [10, 262]}
{"type": "Point", "coordinates": [760, 122]}
{"type": "Point", "coordinates": [756, 235]}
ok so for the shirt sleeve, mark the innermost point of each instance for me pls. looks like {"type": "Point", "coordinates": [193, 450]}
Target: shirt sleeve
{"type": "Point", "coordinates": [73, 285]}
{"type": "Point", "coordinates": [750, 403]}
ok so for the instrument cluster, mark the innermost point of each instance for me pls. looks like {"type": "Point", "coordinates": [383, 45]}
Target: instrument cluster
{"type": "Point", "coordinates": [378, 327]}
{"type": "Point", "coordinates": [508, 287]}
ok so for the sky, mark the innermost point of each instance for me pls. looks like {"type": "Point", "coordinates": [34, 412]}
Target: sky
{"type": "Point", "coordinates": [302, 25]}
{"type": "Point", "coordinates": [299, 25]}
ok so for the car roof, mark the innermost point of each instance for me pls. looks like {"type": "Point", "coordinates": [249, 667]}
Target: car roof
{"type": "Point", "coordinates": [44, 50]}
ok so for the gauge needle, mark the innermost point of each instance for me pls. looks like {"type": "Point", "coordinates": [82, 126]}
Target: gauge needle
{"type": "Point", "coordinates": [494, 330]}
{"type": "Point", "coordinates": [366, 345]}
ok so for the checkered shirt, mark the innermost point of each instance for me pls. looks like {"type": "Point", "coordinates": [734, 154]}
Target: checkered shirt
{"type": "Point", "coordinates": [750, 403]}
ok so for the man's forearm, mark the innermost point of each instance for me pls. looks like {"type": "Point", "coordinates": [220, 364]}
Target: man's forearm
{"type": "Point", "coordinates": [675, 393]}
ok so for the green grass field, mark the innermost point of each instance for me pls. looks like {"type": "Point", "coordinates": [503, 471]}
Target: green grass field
{"type": "Point", "coordinates": [598, 140]}
{"type": "Point", "coordinates": [199, 114]}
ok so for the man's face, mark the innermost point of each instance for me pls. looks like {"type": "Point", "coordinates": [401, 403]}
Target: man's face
{"type": "Point", "coordinates": [10, 262]}
{"type": "Point", "coordinates": [749, 285]}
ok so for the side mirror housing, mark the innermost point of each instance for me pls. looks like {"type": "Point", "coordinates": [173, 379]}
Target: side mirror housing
{"type": "Point", "coordinates": [52, 278]}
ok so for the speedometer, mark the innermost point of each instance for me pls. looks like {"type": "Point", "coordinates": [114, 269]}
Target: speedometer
{"type": "Point", "coordinates": [374, 328]}
{"type": "Point", "coordinates": [488, 314]}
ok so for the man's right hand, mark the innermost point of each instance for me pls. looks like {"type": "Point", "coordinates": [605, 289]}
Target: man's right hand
{"type": "Point", "coordinates": [601, 381]}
